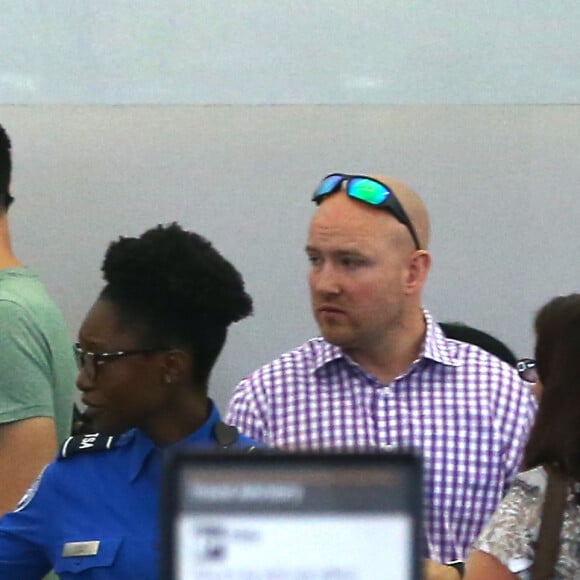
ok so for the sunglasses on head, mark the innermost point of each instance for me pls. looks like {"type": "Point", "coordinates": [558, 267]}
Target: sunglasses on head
{"type": "Point", "coordinates": [367, 190]}
{"type": "Point", "coordinates": [527, 370]}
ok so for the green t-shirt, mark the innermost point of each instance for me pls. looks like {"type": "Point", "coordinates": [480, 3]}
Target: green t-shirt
{"type": "Point", "coordinates": [37, 367]}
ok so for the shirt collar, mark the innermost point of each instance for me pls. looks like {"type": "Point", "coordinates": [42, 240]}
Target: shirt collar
{"type": "Point", "coordinates": [327, 353]}
{"type": "Point", "coordinates": [436, 345]}
{"type": "Point", "coordinates": [435, 348]}
{"type": "Point", "coordinates": [143, 446]}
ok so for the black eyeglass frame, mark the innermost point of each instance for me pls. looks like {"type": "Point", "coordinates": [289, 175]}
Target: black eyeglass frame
{"type": "Point", "coordinates": [390, 203]}
{"type": "Point", "coordinates": [100, 358]}
{"type": "Point", "coordinates": [524, 366]}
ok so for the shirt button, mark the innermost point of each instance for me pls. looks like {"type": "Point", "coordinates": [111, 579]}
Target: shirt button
{"type": "Point", "coordinates": [387, 446]}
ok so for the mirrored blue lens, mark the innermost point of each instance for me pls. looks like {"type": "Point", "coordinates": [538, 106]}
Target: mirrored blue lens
{"type": "Point", "coordinates": [329, 184]}
{"type": "Point", "coordinates": [367, 190]}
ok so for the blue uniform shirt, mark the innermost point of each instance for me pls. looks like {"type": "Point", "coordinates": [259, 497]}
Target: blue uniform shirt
{"type": "Point", "coordinates": [110, 497]}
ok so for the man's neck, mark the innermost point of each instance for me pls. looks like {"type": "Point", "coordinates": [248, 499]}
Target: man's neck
{"type": "Point", "coordinates": [7, 257]}
{"type": "Point", "coordinates": [393, 356]}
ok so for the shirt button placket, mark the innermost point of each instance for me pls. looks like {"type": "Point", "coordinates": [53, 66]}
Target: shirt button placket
{"type": "Point", "coordinates": [382, 393]}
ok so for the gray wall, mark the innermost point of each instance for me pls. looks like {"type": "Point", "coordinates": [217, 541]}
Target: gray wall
{"type": "Point", "coordinates": [289, 51]}
{"type": "Point", "coordinates": [501, 183]}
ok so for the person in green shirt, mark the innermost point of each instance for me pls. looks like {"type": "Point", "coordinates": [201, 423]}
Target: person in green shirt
{"type": "Point", "coordinates": [37, 366]}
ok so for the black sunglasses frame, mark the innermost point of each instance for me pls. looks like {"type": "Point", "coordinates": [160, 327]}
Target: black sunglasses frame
{"type": "Point", "coordinates": [390, 203]}
{"type": "Point", "coordinates": [525, 367]}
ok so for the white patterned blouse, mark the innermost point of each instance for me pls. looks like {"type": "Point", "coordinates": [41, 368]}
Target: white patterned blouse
{"type": "Point", "coordinates": [511, 534]}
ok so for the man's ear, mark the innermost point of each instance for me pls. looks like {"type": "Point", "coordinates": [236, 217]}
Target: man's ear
{"type": "Point", "coordinates": [418, 271]}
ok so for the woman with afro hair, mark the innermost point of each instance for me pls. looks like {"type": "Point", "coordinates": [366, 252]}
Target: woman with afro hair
{"type": "Point", "coordinates": [145, 351]}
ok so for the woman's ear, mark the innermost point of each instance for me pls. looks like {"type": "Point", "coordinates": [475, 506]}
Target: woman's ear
{"type": "Point", "coordinates": [177, 366]}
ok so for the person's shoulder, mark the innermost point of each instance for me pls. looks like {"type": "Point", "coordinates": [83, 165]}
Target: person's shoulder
{"type": "Point", "coordinates": [24, 298]}
{"type": "Point", "coordinates": [18, 282]}
{"type": "Point", "coordinates": [11, 308]}
{"type": "Point", "coordinates": [248, 445]}
{"type": "Point", "coordinates": [17, 320]}
{"type": "Point", "coordinates": [298, 360]}
{"type": "Point", "coordinates": [493, 379]}
{"type": "Point", "coordinates": [535, 478]}
{"type": "Point", "coordinates": [483, 363]}
{"type": "Point", "coordinates": [228, 436]}
{"type": "Point", "coordinates": [92, 444]}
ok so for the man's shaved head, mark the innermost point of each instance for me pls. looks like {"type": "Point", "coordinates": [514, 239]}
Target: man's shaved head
{"type": "Point", "coordinates": [413, 206]}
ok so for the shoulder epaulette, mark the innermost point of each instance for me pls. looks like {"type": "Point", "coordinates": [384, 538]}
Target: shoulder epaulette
{"type": "Point", "coordinates": [87, 443]}
{"type": "Point", "coordinates": [225, 435]}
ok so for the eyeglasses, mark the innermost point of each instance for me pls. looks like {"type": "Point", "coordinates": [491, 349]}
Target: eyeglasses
{"type": "Point", "coordinates": [527, 370]}
{"type": "Point", "coordinates": [91, 361]}
{"type": "Point", "coordinates": [369, 191]}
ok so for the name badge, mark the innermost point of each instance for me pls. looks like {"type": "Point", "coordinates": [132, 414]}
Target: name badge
{"type": "Point", "coordinates": [75, 549]}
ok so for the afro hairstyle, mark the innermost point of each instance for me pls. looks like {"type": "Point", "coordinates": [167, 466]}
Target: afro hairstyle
{"type": "Point", "coordinates": [176, 290]}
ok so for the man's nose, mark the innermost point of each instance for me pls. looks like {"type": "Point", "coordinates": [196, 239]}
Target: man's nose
{"type": "Point", "coordinates": [325, 280]}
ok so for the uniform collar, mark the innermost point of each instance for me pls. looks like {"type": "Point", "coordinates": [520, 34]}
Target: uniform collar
{"type": "Point", "coordinates": [143, 446]}
{"type": "Point", "coordinates": [435, 347]}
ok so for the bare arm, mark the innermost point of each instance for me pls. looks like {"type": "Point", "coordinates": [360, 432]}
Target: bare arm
{"type": "Point", "coordinates": [483, 566]}
{"type": "Point", "coordinates": [436, 571]}
{"type": "Point", "coordinates": [480, 566]}
{"type": "Point", "coordinates": [26, 446]}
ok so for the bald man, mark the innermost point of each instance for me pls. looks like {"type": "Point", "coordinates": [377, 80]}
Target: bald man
{"type": "Point", "coordinates": [383, 375]}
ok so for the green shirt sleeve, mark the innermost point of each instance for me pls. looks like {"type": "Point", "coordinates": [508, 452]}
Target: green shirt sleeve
{"type": "Point", "coordinates": [25, 369]}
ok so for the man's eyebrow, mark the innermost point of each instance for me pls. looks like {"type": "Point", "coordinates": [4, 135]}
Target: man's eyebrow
{"type": "Point", "coordinates": [337, 253]}
{"type": "Point", "coordinates": [349, 252]}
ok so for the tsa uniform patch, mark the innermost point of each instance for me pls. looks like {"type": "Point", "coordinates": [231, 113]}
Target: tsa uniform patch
{"type": "Point", "coordinates": [87, 443]}
{"type": "Point", "coordinates": [29, 495]}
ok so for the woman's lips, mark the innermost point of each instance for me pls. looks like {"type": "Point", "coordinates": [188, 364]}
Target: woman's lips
{"type": "Point", "coordinates": [91, 407]}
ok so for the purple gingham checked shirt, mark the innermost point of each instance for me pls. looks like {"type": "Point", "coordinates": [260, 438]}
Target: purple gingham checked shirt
{"type": "Point", "coordinates": [467, 413]}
